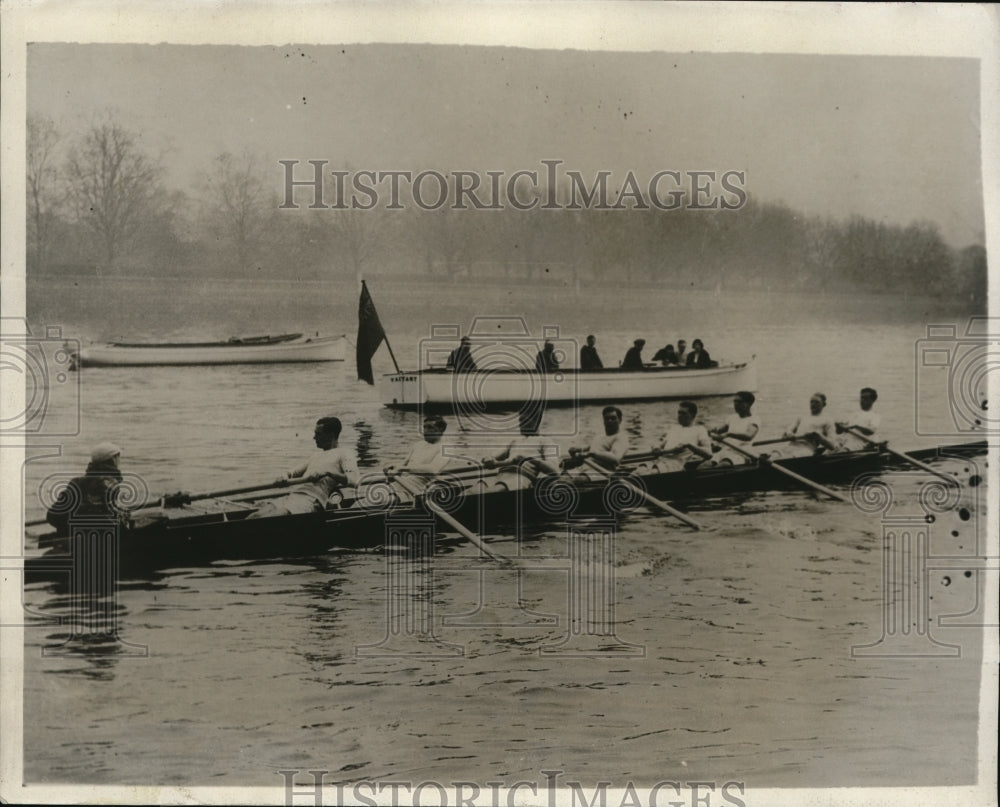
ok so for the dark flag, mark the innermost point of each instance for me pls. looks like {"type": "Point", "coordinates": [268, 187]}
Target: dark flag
{"type": "Point", "coordinates": [370, 335]}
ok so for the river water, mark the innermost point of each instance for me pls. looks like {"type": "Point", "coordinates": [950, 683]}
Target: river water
{"type": "Point", "coordinates": [731, 656]}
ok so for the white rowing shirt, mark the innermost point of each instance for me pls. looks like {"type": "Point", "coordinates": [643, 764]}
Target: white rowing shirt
{"type": "Point", "coordinates": [336, 461]}
{"type": "Point", "coordinates": [741, 425]}
{"type": "Point", "coordinates": [533, 445]}
{"type": "Point", "coordinates": [819, 424]}
{"type": "Point", "coordinates": [868, 420]}
{"type": "Point", "coordinates": [427, 458]}
{"type": "Point", "coordinates": [678, 436]}
{"type": "Point", "coordinates": [614, 444]}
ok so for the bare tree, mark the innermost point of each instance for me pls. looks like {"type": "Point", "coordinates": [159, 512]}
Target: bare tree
{"type": "Point", "coordinates": [113, 184]}
{"type": "Point", "coordinates": [44, 196]}
{"type": "Point", "coordinates": [238, 205]}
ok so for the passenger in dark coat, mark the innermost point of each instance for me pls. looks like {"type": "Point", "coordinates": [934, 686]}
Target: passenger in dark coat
{"type": "Point", "coordinates": [698, 357]}
{"type": "Point", "coordinates": [546, 361]}
{"type": "Point", "coordinates": [93, 494]}
{"type": "Point", "coordinates": [633, 359]}
{"type": "Point", "coordinates": [589, 360]}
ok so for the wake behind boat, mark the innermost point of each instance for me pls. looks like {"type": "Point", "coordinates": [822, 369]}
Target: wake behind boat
{"type": "Point", "coordinates": [291, 347]}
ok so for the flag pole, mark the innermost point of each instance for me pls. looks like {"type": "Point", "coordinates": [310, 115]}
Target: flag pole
{"type": "Point", "coordinates": [364, 286]}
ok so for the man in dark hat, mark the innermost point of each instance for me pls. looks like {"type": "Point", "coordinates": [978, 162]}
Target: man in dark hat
{"type": "Point", "coordinates": [460, 359]}
{"type": "Point", "coordinates": [546, 361]}
{"type": "Point", "coordinates": [633, 358]}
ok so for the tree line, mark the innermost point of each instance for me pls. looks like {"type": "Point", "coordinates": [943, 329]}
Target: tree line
{"type": "Point", "coordinates": [97, 203]}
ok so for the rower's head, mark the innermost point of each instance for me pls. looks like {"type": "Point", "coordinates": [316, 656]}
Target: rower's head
{"type": "Point", "coordinates": [686, 412]}
{"type": "Point", "coordinates": [868, 398]}
{"type": "Point", "coordinates": [681, 345]}
{"type": "Point", "coordinates": [548, 347]}
{"type": "Point", "coordinates": [612, 419]}
{"type": "Point", "coordinates": [742, 402]}
{"type": "Point", "coordinates": [591, 340]}
{"type": "Point", "coordinates": [697, 344]}
{"type": "Point", "coordinates": [105, 455]}
{"type": "Point", "coordinates": [817, 403]}
{"type": "Point", "coordinates": [465, 341]}
{"type": "Point", "coordinates": [327, 432]}
{"type": "Point", "coordinates": [639, 343]}
{"type": "Point", "coordinates": [434, 426]}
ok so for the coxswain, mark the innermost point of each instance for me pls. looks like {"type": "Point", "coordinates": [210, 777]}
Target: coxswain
{"type": "Point", "coordinates": [685, 440]}
{"type": "Point", "coordinates": [741, 429]}
{"type": "Point", "coordinates": [94, 493]}
{"type": "Point", "coordinates": [325, 472]}
{"type": "Point", "coordinates": [811, 434]}
{"type": "Point", "coordinates": [864, 421]}
{"type": "Point", "coordinates": [608, 450]}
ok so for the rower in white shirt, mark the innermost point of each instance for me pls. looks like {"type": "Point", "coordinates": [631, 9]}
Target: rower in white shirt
{"type": "Point", "coordinates": [866, 421]}
{"type": "Point", "coordinates": [427, 455]}
{"type": "Point", "coordinates": [606, 451]}
{"type": "Point", "coordinates": [741, 429]}
{"type": "Point", "coordinates": [325, 472]}
{"type": "Point", "coordinates": [685, 440]}
{"type": "Point", "coordinates": [812, 433]}
{"type": "Point", "coordinates": [530, 449]}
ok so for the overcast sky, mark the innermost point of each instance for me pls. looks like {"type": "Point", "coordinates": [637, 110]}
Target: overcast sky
{"type": "Point", "coordinates": [890, 138]}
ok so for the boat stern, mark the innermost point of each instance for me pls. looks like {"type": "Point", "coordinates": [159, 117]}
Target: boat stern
{"type": "Point", "coordinates": [401, 390]}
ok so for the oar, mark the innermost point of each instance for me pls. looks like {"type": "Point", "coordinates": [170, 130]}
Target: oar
{"type": "Point", "coordinates": [774, 440]}
{"type": "Point", "coordinates": [213, 495]}
{"type": "Point", "coordinates": [902, 456]}
{"type": "Point", "coordinates": [783, 470]}
{"type": "Point", "coordinates": [666, 508]}
{"type": "Point", "coordinates": [279, 483]}
{"type": "Point", "coordinates": [449, 519]}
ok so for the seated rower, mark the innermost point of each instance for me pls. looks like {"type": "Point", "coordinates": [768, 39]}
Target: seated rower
{"type": "Point", "coordinates": [93, 494]}
{"type": "Point", "coordinates": [606, 451]}
{"type": "Point", "coordinates": [741, 429]}
{"type": "Point", "coordinates": [865, 421]}
{"type": "Point", "coordinates": [530, 449]}
{"type": "Point", "coordinates": [685, 440]}
{"type": "Point", "coordinates": [427, 455]}
{"type": "Point", "coordinates": [325, 472]}
{"type": "Point", "coordinates": [812, 433]}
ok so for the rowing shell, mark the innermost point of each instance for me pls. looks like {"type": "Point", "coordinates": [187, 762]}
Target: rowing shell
{"type": "Point", "coordinates": [215, 529]}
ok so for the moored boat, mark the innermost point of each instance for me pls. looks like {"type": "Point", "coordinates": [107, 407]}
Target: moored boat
{"type": "Point", "coordinates": [201, 532]}
{"type": "Point", "coordinates": [442, 389]}
{"type": "Point", "coordinates": [292, 347]}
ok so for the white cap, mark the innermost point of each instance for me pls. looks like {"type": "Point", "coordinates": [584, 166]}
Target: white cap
{"type": "Point", "coordinates": [104, 452]}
